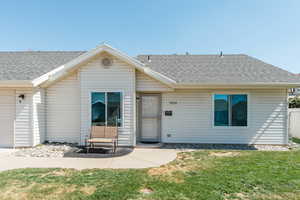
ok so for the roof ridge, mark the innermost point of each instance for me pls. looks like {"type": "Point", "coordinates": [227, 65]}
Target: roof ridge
{"type": "Point", "coordinates": [192, 54]}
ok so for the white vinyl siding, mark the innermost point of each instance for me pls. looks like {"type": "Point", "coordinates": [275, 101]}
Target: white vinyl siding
{"type": "Point", "coordinates": [7, 116]}
{"type": "Point", "coordinates": [23, 121]}
{"type": "Point", "coordinates": [38, 116]}
{"type": "Point", "coordinates": [63, 110]}
{"type": "Point", "coordinates": [120, 77]}
{"type": "Point", "coordinates": [192, 120]}
{"type": "Point", "coordinates": [145, 83]}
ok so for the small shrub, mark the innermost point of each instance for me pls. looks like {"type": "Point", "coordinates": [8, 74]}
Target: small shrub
{"type": "Point", "coordinates": [294, 103]}
{"type": "Point", "coordinates": [296, 140]}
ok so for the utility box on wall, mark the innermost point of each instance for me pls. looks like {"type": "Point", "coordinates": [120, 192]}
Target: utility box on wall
{"type": "Point", "coordinates": [168, 113]}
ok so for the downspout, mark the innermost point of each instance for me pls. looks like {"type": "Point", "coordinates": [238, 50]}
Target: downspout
{"type": "Point", "coordinates": [32, 132]}
{"type": "Point", "coordinates": [287, 118]}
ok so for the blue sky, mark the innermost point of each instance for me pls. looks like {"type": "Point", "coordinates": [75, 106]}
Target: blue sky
{"type": "Point", "coordinates": [266, 29]}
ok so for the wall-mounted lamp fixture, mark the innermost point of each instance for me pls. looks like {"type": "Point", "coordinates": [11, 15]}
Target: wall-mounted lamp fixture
{"type": "Point", "coordinates": [21, 97]}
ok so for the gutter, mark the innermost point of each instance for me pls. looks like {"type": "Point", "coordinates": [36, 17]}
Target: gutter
{"type": "Point", "coordinates": [16, 83]}
{"type": "Point", "coordinates": [240, 85]}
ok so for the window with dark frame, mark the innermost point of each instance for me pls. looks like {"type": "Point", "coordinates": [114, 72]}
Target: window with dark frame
{"type": "Point", "coordinates": [106, 108]}
{"type": "Point", "coordinates": [230, 110]}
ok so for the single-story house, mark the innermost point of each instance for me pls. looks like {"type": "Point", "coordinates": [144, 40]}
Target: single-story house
{"type": "Point", "coordinates": [57, 95]}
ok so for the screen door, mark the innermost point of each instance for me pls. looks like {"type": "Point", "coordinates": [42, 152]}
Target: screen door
{"type": "Point", "coordinates": [150, 118]}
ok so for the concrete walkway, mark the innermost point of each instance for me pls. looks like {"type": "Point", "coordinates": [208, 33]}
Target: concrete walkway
{"type": "Point", "coordinates": [139, 158]}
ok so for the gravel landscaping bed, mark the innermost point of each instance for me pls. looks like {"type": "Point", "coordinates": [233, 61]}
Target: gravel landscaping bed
{"type": "Point", "coordinates": [59, 150]}
{"type": "Point", "coordinates": [51, 150]}
{"type": "Point", "coordinates": [184, 147]}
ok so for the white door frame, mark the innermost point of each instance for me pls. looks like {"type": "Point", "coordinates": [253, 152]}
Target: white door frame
{"type": "Point", "coordinates": [140, 116]}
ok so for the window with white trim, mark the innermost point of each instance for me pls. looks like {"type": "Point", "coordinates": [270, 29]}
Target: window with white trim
{"type": "Point", "coordinates": [106, 108]}
{"type": "Point", "coordinates": [230, 109]}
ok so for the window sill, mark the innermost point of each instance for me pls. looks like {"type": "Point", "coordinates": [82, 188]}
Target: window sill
{"type": "Point", "coordinates": [231, 127]}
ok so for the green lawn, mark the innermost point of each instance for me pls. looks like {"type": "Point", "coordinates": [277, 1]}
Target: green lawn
{"type": "Point", "coordinates": [194, 175]}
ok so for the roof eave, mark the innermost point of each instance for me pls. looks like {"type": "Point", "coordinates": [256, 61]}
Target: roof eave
{"type": "Point", "coordinates": [237, 85]}
{"type": "Point", "coordinates": [66, 68]}
{"type": "Point", "coordinates": [160, 77]}
{"type": "Point", "coordinates": [16, 83]}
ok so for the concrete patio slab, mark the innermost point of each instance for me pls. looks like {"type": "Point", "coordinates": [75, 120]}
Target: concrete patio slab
{"type": "Point", "coordinates": [6, 151]}
{"type": "Point", "coordinates": [139, 158]}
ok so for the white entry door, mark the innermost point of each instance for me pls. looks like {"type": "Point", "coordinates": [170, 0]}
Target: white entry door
{"type": "Point", "coordinates": [150, 118]}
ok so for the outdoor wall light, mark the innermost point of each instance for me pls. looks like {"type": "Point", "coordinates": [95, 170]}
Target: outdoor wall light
{"type": "Point", "coordinates": [21, 97]}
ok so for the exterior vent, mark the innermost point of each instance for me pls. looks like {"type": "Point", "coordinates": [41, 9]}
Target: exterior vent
{"type": "Point", "coordinates": [106, 62]}
{"type": "Point", "coordinates": [221, 54]}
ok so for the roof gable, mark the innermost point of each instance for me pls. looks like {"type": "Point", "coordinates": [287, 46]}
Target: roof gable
{"type": "Point", "coordinates": [69, 66]}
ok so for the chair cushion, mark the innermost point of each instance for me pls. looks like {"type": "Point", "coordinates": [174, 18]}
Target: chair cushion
{"type": "Point", "coordinates": [100, 140]}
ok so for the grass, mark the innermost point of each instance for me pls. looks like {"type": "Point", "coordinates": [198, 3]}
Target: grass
{"type": "Point", "coordinates": [193, 175]}
{"type": "Point", "coordinates": [296, 140]}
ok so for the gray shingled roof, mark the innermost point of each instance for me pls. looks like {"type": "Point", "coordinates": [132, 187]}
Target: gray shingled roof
{"type": "Point", "coordinates": [28, 65]}
{"type": "Point", "coordinates": [189, 69]}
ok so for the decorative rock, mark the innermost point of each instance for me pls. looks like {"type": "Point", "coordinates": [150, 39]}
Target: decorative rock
{"type": "Point", "coordinates": [185, 147]}
{"type": "Point", "coordinates": [59, 150]}
{"type": "Point", "coordinates": [50, 150]}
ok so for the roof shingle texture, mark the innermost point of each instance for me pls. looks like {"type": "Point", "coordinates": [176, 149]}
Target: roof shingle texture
{"type": "Point", "coordinates": [28, 65]}
{"type": "Point", "coordinates": [189, 69]}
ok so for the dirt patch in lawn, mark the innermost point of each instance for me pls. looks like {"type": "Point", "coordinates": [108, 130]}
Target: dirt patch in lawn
{"type": "Point", "coordinates": [43, 191]}
{"type": "Point", "coordinates": [187, 162]}
{"type": "Point", "coordinates": [281, 196]}
{"type": "Point", "coordinates": [224, 154]}
{"type": "Point", "coordinates": [14, 192]}
{"type": "Point", "coordinates": [60, 172]}
{"type": "Point", "coordinates": [88, 190]}
{"type": "Point", "coordinates": [236, 196]}
{"type": "Point", "coordinates": [257, 195]}
{"type": "Point", "coordinates": [180, 164]}
{"type": "Point", "coordinates": [175, 170]}
{"type": "Point", "coordinates": [64, 189]}
{"type": "Point", "coordinates": [168, 173]}
{"type": "Point", "coordinates": [146, 191]}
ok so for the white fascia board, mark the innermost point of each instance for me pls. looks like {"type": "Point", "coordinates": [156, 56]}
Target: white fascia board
{"type": "Point", "coordinates": [124, 57]}
{"type": "Point", "coordinates": [38, 81]}
{"type": "Point", "coordinates": [238, 85]}
{"type": "Point", "coordinates": [160, 77]}
{"type": "Point", "coordinates": [62, 70]}
{"type": "Point", "coordinates": [67, 66]}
